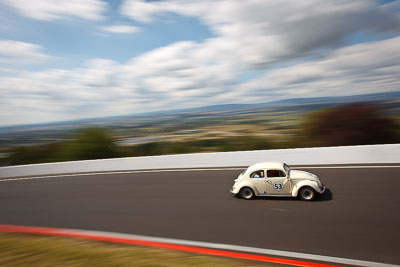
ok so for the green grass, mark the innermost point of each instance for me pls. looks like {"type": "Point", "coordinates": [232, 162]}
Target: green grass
{"type": "Point", "coordinates": [31, 250]}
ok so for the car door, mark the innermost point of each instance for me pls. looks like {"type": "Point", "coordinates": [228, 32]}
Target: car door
{"type": "Point", "coordinates": [277, 183]}
{"type": "Point", "coordinates": [258, 180]}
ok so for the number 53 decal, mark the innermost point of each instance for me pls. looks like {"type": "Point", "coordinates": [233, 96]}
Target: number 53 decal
{"type": "Point", "coordinates": [278, 186]}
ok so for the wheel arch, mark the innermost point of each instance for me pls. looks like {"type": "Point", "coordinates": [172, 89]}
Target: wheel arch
{"type": "Point", "coordinates": [301, 184]}
{"type": "Point", "coordinates": [249, 186]}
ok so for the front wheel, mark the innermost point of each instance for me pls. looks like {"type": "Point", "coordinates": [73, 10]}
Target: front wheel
{"type": "Point", "coordinates": [307, 193]}
{"type": "Point", "coordinates": [246, 193]}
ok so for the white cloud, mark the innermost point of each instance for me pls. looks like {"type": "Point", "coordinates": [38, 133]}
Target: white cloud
{"type": "Point", "coordinates": [121, 29]}
{"type": "Point", "coordinates": [300, 45]}
{"type": "Point", "coordinates": [55, 9]}
{"type": "Point", "coordinates": [358, 69]}
{"type": "Point", "coordinates": [141, 10]}
{"type": "Point", "coordinates": [258, 33]}
{"type": "Point", "coordinates": [20, 52]}
{"type": "Point", "coordinates": [172, 77]}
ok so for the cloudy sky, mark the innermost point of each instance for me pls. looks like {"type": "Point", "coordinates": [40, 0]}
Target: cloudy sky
{"type": "Point", "coordinates": [62, 60]}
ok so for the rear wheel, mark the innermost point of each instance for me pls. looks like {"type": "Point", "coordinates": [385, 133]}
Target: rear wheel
{"type": "Point", "coordinates": [307, 193]}
{"type": "Point", "coordinates": [246, 193]}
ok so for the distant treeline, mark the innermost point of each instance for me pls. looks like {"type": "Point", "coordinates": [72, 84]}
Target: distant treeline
{"type": "Point", "coordinates": [348, 125]}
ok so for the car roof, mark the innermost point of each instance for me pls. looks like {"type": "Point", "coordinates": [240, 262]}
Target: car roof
{"type": "Point", "coordinates": [266, 165]}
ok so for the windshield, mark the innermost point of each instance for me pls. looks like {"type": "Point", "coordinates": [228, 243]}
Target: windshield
{"type": "Point", "coordinates": [287, 169]}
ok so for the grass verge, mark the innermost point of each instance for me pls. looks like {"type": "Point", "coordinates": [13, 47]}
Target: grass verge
{"type": "Point", "coordinates": [31, 250]}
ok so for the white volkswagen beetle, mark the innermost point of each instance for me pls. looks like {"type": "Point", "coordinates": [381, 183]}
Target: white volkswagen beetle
{"type": "Point", "coordinates": [276, 179]}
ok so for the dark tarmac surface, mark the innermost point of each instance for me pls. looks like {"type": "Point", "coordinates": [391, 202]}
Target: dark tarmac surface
{"type": "Point", "coordinates": [358, 217]}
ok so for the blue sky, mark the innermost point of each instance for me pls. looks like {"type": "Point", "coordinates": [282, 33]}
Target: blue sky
{"type": "Point", "coordinates": [74, 40]}
{"type": "Point", "coordinates": [63, 60]}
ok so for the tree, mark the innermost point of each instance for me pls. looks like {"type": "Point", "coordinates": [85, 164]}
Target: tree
{"type": "Point", "coordinates": [92, 143]}
{"type": "Point", "coordinates": [357, 124]}
{"type": "Point", "coordinates": [34, 154]}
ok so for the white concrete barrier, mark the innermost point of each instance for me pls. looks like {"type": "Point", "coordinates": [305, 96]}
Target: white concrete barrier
{"type": "Point", "coordinates": [307, 156]}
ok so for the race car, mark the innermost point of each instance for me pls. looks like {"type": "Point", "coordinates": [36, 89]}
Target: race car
{"type": "Point", "coordinates": [276, 179]}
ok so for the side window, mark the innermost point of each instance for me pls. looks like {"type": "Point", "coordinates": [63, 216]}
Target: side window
{"type": "Point", "coordinates": [275, 173]}
{"type": "Point", "coordinates": [257, 174]}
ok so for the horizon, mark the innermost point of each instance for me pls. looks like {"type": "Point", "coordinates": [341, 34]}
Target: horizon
{"type": "Point", "coordinates": [88, 59]}
{"type": "Point", "coordinates": [188, 110]}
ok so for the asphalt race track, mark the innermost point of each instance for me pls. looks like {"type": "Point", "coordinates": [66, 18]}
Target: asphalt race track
{"type": "Point", "coordinates": [358, 217]}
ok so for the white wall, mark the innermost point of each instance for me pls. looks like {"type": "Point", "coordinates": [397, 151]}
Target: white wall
{"type": "Point", "coordinates": [300, 156]}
